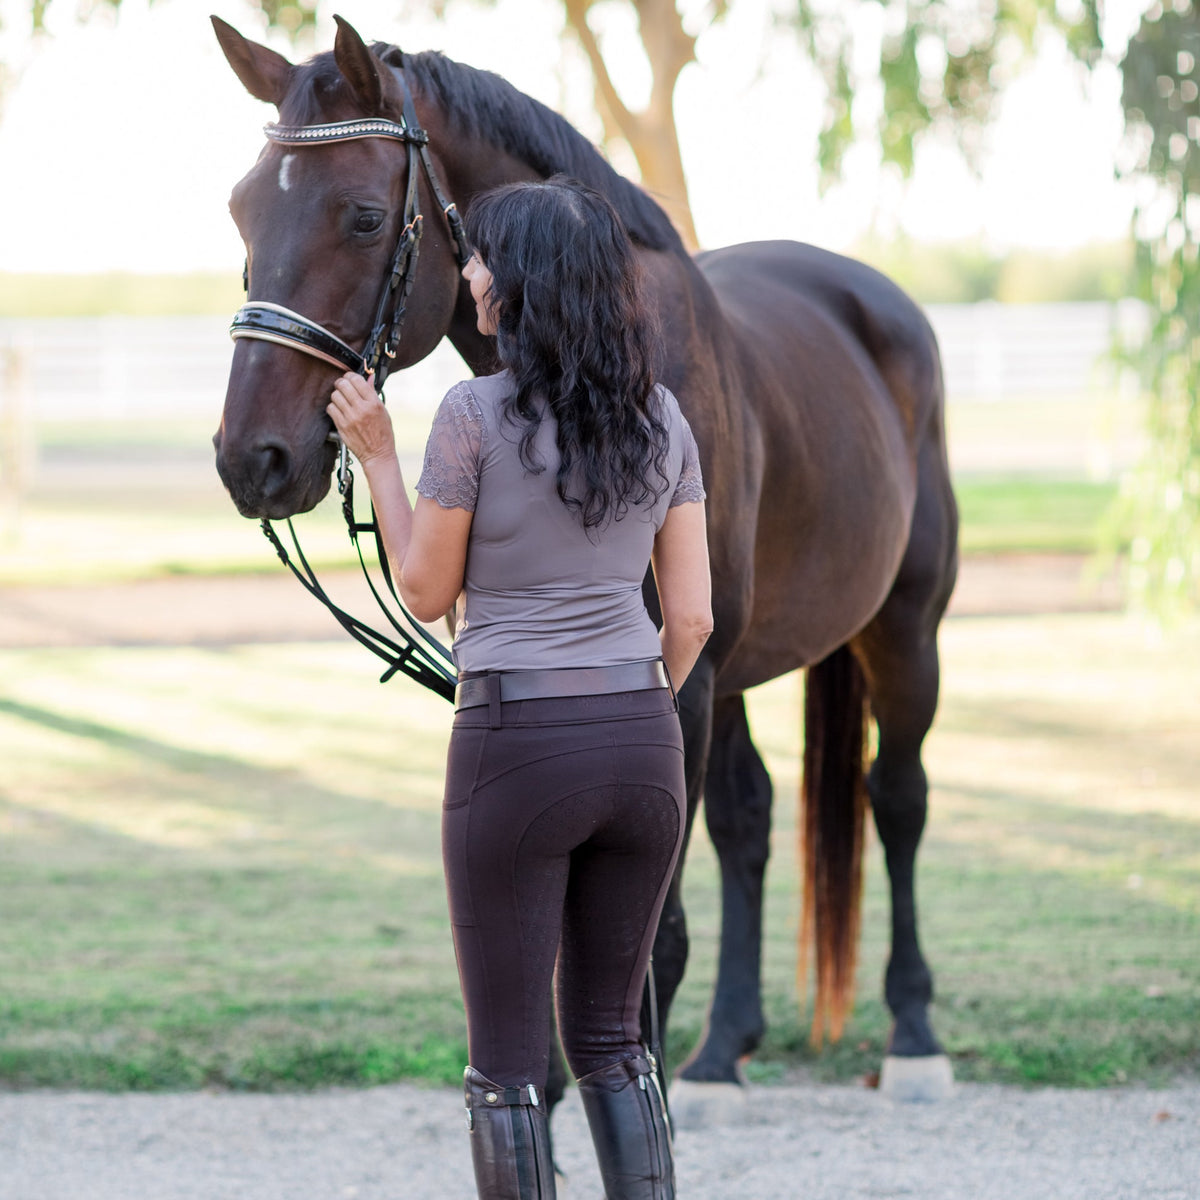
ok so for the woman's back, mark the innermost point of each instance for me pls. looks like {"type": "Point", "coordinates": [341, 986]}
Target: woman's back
{"type": "Point", "coordinates": [541, 590]}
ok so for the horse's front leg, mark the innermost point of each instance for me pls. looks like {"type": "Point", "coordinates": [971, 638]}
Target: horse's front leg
{"type": "Point", "coordinates": [737, 805]}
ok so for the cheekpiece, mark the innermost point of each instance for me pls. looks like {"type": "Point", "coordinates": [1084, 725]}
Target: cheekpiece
{"type": "Point", "coordinates": [344, 131]}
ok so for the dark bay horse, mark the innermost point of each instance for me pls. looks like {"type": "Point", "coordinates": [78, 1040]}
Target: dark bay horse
{"type": "Point", "coordinates": [814, 388]}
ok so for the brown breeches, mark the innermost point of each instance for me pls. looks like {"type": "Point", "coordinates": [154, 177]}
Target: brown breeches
{"type": "Point", "coordinates": [560, 831]}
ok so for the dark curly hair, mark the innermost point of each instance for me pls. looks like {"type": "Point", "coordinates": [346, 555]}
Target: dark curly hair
{"type": "Point", "coordinates": [573, 329]}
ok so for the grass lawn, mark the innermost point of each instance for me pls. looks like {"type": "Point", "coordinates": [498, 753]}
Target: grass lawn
{"type": "Point", "coordinates": [1007, 514]}
{"type": "Point", "coordinates": [221, 867]}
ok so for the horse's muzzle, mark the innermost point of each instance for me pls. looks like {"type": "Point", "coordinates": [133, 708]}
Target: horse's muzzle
{"type": "Point", "coordinates": [266, 479]}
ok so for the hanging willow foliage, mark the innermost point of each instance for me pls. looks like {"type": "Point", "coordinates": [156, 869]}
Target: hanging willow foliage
{"type": "Point", "coordinates": [1159, 510]}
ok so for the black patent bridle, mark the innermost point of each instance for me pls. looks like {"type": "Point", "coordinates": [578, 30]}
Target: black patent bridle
{"type": "Point", "coordinates": [274, 323]}
{"type": "Point", "coordinates": [416, 654]}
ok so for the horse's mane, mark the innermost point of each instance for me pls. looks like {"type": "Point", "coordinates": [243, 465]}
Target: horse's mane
{"type": "Point", "coordinates": [489, 107]}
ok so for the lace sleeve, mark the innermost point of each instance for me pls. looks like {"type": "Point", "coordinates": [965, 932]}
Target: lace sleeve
{"type": "Point", "coordinates": [690, 487]}
{"type": "Point", "coordinates": [450, 473]}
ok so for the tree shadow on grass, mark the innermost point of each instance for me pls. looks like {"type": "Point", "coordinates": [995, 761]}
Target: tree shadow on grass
{"type": "Point", "coordinates": [276, 808]}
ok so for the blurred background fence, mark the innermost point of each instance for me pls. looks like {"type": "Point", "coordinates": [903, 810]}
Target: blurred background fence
{"type": "Point", "coordinates": [131, 367]}
{"type": "Point", "coordinates": [106, 424]}
{"type": "Point", "coordinates": [130, 371]}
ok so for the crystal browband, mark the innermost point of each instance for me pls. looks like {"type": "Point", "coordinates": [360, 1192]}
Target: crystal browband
{"type": "Point", "coordinates": [344, 131]}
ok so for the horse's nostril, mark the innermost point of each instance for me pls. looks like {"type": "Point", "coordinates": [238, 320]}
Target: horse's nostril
{"type": "Point", "coordinates": [275, 466]}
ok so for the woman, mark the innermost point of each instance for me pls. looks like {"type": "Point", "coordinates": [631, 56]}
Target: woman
{"type": "Point", "coordinates": [547, 490]}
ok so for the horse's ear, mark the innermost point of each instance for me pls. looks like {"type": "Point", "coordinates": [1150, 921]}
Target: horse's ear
{"type": "Point", "coordinates": [358, 65]}
{"type": "Point", "coordinates": [264, 73]}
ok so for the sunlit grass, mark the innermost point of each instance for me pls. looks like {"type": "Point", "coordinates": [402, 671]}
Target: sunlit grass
{"type": "Point", "coordinates": [1058, 879]}
{"type": "Point", "coordinates": [1091, 435]}
{"type": "Point", "coordinates": [222, 866]}
{"type": "Point", "coordinates": [114, 500]}
{"type": "Point", "coordinates": [1008, 514]}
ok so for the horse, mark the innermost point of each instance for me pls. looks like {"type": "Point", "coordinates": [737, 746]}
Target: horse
{"type": "Point", "coordinates": [814, 388]}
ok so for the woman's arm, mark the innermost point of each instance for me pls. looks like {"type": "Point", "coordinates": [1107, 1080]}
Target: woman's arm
{"type": "Point", "coordinates": [426, 546]}
{"type": "Point", "coordinates": [680, 562]}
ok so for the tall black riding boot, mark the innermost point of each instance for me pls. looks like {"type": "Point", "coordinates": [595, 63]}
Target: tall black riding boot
{"type": "Point", "coordinates": [632, 1135]}
{"type": "Point", "coordinates": [510, 1140]}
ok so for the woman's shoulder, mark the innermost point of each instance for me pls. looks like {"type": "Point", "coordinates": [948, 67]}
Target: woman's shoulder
{"type": "Point", "coordinates": [690, 483]}
{"type": "Point", "coordinates": [669, 411]}
{"type": "Point", "coordinates": [488, 391]}
{"type": "Point", "coordinates": [474, 401]}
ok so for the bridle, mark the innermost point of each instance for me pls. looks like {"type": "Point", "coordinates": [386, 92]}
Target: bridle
{"type": "Point", "coordinates": [416, 653]}
{"type": "Point", "coordinates": [269, 322]}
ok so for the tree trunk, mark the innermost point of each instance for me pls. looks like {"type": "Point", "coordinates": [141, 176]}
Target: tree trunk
{"type": "Point", "coordinates": [650, 132]}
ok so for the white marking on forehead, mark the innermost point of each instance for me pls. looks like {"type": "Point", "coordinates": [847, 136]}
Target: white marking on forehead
{"type": "Point", "coordinates": [284, 167]}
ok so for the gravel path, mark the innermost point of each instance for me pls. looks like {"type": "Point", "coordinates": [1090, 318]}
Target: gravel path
{"type": "Point", "coordinates": [791, 1143]}
{"type": "Point", "coordinates": [273, 607]}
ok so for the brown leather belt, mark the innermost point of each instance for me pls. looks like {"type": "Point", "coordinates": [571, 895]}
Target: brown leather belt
{"type": "Point", "coordinates": [569, 681]}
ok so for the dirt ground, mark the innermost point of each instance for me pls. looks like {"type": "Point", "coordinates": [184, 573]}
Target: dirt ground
{"type": "Point", "coordinates": [272, 607]}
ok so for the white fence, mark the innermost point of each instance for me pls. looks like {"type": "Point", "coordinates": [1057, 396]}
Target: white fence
{"type": "Point", "coordinates": [1030, 388]}
{"type": "Point", "coordinates": [143, 368]}
{"type": "Point", "coordinates": [995, 351]}
{"type": "Point", "coordinates": [133, 368]}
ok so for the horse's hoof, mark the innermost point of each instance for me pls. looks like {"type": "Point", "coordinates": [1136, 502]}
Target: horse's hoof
{"type": "Point", "coordinates": [702, 1105]}
{"type": "Point", "coordinates": [929, 1078]}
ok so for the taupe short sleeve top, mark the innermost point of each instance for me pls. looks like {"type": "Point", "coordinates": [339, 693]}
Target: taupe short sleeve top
{"type": "Point", "coordinates": [541, 592]}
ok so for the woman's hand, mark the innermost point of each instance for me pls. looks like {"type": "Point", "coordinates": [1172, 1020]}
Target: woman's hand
{"type": "Point", "coordinates": [359, 416]}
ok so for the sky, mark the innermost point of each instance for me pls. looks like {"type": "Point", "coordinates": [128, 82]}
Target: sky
{"type": "Point", "coordinates": [121, 139]}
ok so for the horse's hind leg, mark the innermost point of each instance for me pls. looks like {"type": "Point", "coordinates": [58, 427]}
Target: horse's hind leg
{"type": "Point", "coordinates": [898, 792]}
{"type": "Point", "coordinates": [671, 941]}
{"type": "Point", "coordinates": [737, 807]}
{"type": "Point", "coordinates": [899, 655]}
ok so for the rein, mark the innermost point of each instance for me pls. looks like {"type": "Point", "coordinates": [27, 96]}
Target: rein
{"type": "Point", "coordinates": [409, 649]}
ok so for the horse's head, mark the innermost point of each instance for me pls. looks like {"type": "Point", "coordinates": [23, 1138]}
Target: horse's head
{"type": "Point", "coordinates": [321, 223]}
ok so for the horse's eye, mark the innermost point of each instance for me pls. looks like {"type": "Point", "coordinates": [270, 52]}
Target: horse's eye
{"type": "Point", "coordinates": [368, 222]}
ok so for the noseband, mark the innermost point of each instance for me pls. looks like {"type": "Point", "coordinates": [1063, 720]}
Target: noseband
{"type": "Point", "coordinates": [269, 322]}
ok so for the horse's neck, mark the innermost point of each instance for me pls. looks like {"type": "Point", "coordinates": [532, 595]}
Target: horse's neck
{"type": "Point", "coordinates": [476, 350]}
{"type": "Point", "coordinates": [471, 166]}
{"type": "Point", "coordinates": [468, 168]}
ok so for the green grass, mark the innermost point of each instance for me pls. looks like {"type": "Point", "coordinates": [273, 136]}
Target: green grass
{"type": "Point", "coordinates": [1013, 514]}
{"type": "Point", "coordinates": [112, 500]}
{"type": "Point", "coordinates": [220, 867]}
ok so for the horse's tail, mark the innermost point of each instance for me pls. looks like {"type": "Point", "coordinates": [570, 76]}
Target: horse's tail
{"type": "Point", "coordinates": [832, 826]}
